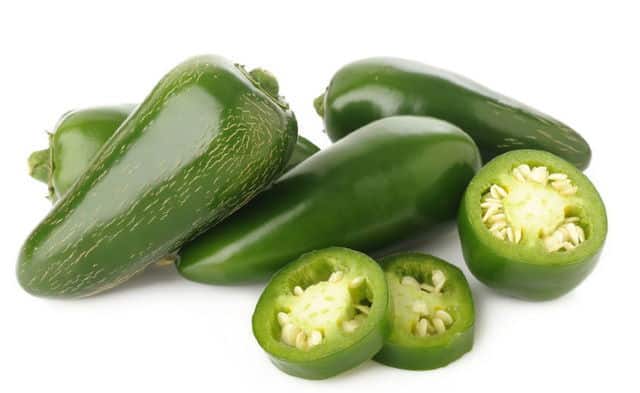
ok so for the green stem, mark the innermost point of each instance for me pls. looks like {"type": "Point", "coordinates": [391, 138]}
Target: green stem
{"type": "Point", "coordinates": [318, 103]}
{"type": "Point", "coordinates": [266, 80]}
{"type": "Point", "coordinates": [39, 165]}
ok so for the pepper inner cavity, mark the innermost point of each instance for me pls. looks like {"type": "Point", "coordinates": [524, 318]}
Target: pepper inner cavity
{"type": "Point", "coordinates": [338, 305]}
{"type": "Point", "coordinates": [534, 205]}
{"type": "Point", "coordinates": [420, 307]}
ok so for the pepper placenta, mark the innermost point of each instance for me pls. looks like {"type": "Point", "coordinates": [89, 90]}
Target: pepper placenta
{"type": "Point", "coordinates": [531, 225]}
{"type": "Point", "coordinates": [391, 180]}
{"type": "Point", "coordinates": [80, 134]}
{"type": "Point", "coordinates": [203, 143]}
{"type": "Point", "coordinates": [432, 312]}
{"type": "Point", "coordinates": [324, 313]}
{"type": "Point", "coordinates": [370, 89]}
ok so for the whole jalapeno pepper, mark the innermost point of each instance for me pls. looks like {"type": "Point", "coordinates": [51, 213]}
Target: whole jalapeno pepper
{"type": "Point", "coordinates": [204, 142]}
{"type": "Point", "coordinates": [370, 89]}
{"type": "Point", "coordinates": [323, 314]}
{"type": "Point", "coordinates": [391, 180]}
{"type": "Point", "coordinates": [531, 225]}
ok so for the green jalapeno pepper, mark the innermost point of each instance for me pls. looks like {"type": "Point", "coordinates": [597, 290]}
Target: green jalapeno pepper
{"type": "Point", "coordinates": [531, 225]}
{"type": "Point", "coordinates": [201, 145]}
{"type": "Point", "coordinates": [323, 314]}
{"type": "Point", "coordinates": [370, 89]}
{"type": "Point", "coordinates": [390, 180]}
{"type": "Point", "coordinates": [433, 312]}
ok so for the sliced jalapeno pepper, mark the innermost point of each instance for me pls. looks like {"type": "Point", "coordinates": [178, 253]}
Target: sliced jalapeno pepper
{"type": "Point", "coordinates": [324, 313]}
{"type": "Point", "coordinates": [531, 225]}
{"type": "Point", "coordinates": [433, 312]}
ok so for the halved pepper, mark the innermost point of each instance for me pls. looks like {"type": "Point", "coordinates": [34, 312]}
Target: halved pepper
{"type": "Point", "coordinates": [324, 313]}
{"type": "Point", "coordinates": [432, 312]}
{"type": "Point", "coordinates": [531, 225]}
{"type": "Point", "coordinates": [371, 89]}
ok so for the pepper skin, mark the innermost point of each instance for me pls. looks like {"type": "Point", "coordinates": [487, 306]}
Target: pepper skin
{"type": "Point", "coordinates": [202, 144]}
{"type": "Point", "coordinates": [531, 264]}
{"type": "Point", "coordinates": [370, 89]}
{"type": "Point", "coordinates": [322, 294]}
{"type": "Point", "coordinates": [390, 180]}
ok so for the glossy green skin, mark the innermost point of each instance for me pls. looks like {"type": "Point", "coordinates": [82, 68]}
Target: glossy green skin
{"type": "Point", "coordinates": [404, 350]}
{"type": "Point", "coordinates": [388, 181]}
{"type": "Point", "coordinates": [201, 145]}
{"type": "Point", "coordinates": [371, 89]}
{"type": "Point", "coordinates": [341, 353]}
{"type": "Point", "coordinates": [520, 271]}
{"type": "Point", "coordinates": [80, 134]}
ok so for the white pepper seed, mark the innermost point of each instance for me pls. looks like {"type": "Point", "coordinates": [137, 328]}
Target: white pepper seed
{"type": "Point", "coordinates": [439, 325]}
{"type": "Point", "coordinates": [421, 327]}
{"type": "Point", "coordinates": [283, 318]}
{"type": "Point", "coordinates": [444, 316]}
{"type": "Point", "coordinates": [356, 282]}
{"type": "Point", "coordinates": [336, 276]}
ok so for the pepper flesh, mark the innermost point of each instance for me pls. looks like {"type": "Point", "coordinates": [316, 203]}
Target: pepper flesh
{"type": "Point", "coordinates": [432, 312]}
{"type": "Point", "coordinates": [560, 228]}
{"type": "Point", "coordinates": [370, 89]}
{"type": "Point", "coordinates": [323, 314]}
{"type": "Point", "coordinates": [389, 181]}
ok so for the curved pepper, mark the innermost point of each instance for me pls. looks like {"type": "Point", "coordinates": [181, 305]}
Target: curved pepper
{"type": "Point", "coordinates": [388, 181]}
{"type": "Point", "coordinates": [204, 142]}
{"type": "Point", "coordinates": [370, 89]}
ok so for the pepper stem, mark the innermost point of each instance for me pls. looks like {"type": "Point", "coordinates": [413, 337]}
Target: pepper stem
{"type": "Point", "coordinates": [39, 165]}
{"type": "Point", "coordinates": [266, 80]}
{"type": "Point", "coordinates": [318, 104]}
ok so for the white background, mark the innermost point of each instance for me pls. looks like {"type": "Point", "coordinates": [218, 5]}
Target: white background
{"type": "Point", "coordinates": [161, 333]}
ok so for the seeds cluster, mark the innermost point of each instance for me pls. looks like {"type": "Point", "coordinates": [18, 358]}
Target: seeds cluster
{"type": "Point", "coordinates": [295, 336]}
{"type": "Point", "coordinates": [430, 322]}
{"type": "Point", "coordinates": [567, 236]}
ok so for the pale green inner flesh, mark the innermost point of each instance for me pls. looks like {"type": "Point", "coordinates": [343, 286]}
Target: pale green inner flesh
{"type": "Point", "coordinates": [313, 315]}
{"type": "Point", "coordinates": [529, 205]}
{"type": "Point", "coordinates": [414, 301]}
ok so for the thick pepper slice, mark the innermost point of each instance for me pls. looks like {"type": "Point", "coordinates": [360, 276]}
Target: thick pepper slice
{"type": "Point", "coordinates": [531, 225]}
{"type": "Point", "coordinates": [324, 313]}
{"type": "Point", "coordinates": [433, 312]}
{"type": "Point", "coordinates": [371, 89]}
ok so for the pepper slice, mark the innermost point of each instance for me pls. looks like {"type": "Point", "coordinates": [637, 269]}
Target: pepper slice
{"type": "Point", "coordinates": [531, 225]}
{"type": "Point", "coordinates": [432, 312]}
{"type": "Point", "coordinates": [324, 313]}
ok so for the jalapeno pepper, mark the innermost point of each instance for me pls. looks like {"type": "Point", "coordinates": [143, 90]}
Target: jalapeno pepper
{"type": "Point", "coordinates": [432, 312]}
{"type": "Point", "coordinates": [324, 313]}
{"type": "Point", "coordinates": [386, 182]}
{"type": "Point", "coordinates": [204, 142]}
{"type": "Point", "coordinates": [370, 89]}
{"type": "Point", "coordinates": [531, 225]}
